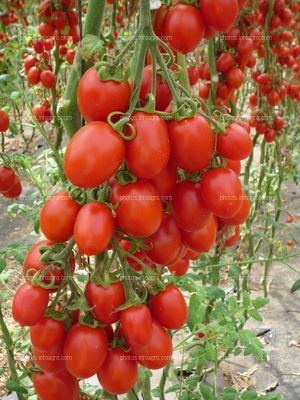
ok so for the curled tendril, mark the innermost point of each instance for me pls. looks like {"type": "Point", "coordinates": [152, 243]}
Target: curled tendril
{"type": "Point", "coordinates": [120, 125]}
{"type": "Point", "coordinates": [187, 109]}
{"type": "Point", "coordinates": [78, 195]}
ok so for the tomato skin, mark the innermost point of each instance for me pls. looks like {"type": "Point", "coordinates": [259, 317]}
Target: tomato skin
{"type": "Point", "coordinates": [4, 121]}
{"type": "Point", "coordinates": [166, 243]}
{"type": "Point", "coordinates": [234, 239]}
{"type": "Point", "coordinates": [235, 144]}
{"type": "Point", "coordinates": [193, 75]}
{"type": "Point", "coordinates": [29, 62]}
{"type": "Point", "coordinates": [85, 349]}
{"type": "Point", "coordinates": [204, 239]}
{"type": "Point", "coordinates": [51, 360]}
{"type": "Point", "coordinates": [93, 228]}
{"type": "Point", "coordinates": [119, 373]}
{"type": "Point", "coordinates": [184, 28]}
{"type": "Point", "coordinates": [243, 213]}
{"type": "Point", "coordinates": [148, 153]}
{"type": "Point", "coordinates": [29, 304]}
{"type": "Point", "coordinates": [192, 143]}
{"type": "Point", "coordinates": [219, 14]}
{"type": "Point", "coordinates": [14, 191]}
{"type": "Point", "coordinates": [140, 210]}
{"type": "Point", "coordinates": [235, 78]}
{"type": "Point", "coordinates": [104, 301]}
{"type": "Point", "coordinates": [47, 334]}
{"type": "Point", "coordinates": [106, 150]}
{"type": "Point", "coordinates": [160, 21]}
{"type": "Point", "coordinates": [221, 192]}
{"type": "Point", "coordinates": [235, 165]}
{"type": "Point", "coordinates": [169, 308]}
{"type": "Point", "coordinates": [163, 93]}
{"type": "Point", "coordinates": [137, 325]}
{"type": "Point", "coordinates": [225, 62]}
{"type": "Point", "coordinates": [34, 75]}
{"type": "Point", "coordinates": [165, 182]}
{"type": "Point", "coordinates": [47, 79]}
{"type": "Point", "coordinates": [58, 216]}
{"type": "Point", "coordinates": [7, 178]}
{"type": "Point", "coordinates": [58, 386]}
{"type": "Point", "coordinates": [187, 206]}
{"type": "Point", "coordinates": [181, 267]}
{"type": "Point", "coordinates": [157, 353]}
{"type": "Point", "coordinates": [97, 99]}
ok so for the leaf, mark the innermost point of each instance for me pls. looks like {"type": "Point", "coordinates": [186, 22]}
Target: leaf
{"type": "Point", "coordinates": [194, 316]}
{"type": "Point", "coordinates": [254, 314]}
{"type": "Point", "coordinates": [260, 302]}
{"type": "Point", "coordinates": [296, 286]}
{"type": "Point", "coordinates": [246, 299]}
{"type": "Point", "coordinates": [214, 293]}
{"type": "Point", "coordinates": [251, 395]}
{"type": "Point", "coordinates": [206, 392]}
{"type": "Point", "coordinates": [2, 264]}
{"type": "Point", "coordinates": [14, 386]}
{"type": "Point", "coordinates": [173, 388]}
{"type": "Point", "coordinates": [211, 353]}
{"type": "Point", "coordinates": [13, 128]}
{"type": "Point", "coordinates": [229, 394]}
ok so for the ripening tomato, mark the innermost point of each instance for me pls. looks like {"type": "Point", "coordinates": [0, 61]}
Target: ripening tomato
{"type": "Point", "coordinates": [242, 215]}
{"type": "Point", "coordinates": [219, 14]}
{"type": "Point", "coordinates": [47, 334]}
{"type": "Point", "coordinates": [157, 353]}
{"type": "Point", "coordinates": [136, 322]}
{"type": "Point", "coordinates": [51, 360]}
{"type": "Point", "coordinates": [180, 268]}
{"type": "Point", "coordinates": [163, 93]}
{"type": "Point", "coordinates": [14, 191]}
{"type": "Point", "coordinates": [202, 240]}
{"type": "Point", "coordinates": [34, 75]}
{"type": "Point", "coordinates": [105, 301]}
{"type": "Point", "coordinates": [245, 45]}
{"type": "Point", "coordinates": [160, 20]}
{"type": "Point", "coordinates": [235, 144]}
{"type": "Point", "coordinates": [192, 255]}
{"type": "Point", "coordinates": [97, 99]}
{"type": "Point", "coordinates": [235, 78]}
{"type": "Point", "coordinates": [48, 44]}
{"type": "Point", "coordinates": [7, 178]}
{"type": "Point", "coordinates": [85, 350]}
{"type": "Point", "coordinates": [46, 29]}
{"type": "Point", "coordinates": [225, 62]}
{"type": "Point", "coordinates": [70, 55]}
{"type": "Point", "coordinates": [59, 19]}
{"type": "Point", "coordinates": [47, 79]}
{"type": "Point", "coordinates": [58, 216]}
{"type": "Point", "coordinates": [273, 98]}
{"type": "Point", "coordinates": [166, 243]}
{"type": "Point", "coordinates": [149, 152]}
{"type": "Point", "coordinates": [192, 143]}
{"type": "Point", "coordinates": [187, 206]}
{"type": "Point", "coordinates": [169, 308]}
{"type": "Point", "coordinates": [105, 149]}
{"type": "Point", "coordinates": [234, 239]}
{"type": "Point", "coordinates": [29, 304]}
{"type": "Point", "coordinates": [4, 121]}
{"type": "Point", "coordinates": [165, 182]}
{"type": "Point", "coordinates": [38, 46]}
{"type": "Point", "coordinates": [29, 62]}
{"type": "Point", "coordinates": [184, 28]}
{"type": "Point", "coordinates": [119, 373]}
{"type": "Point", "coordinates": [235, 165]}
{"type": "Point", "coordinates": [139, 211]}
{"type": "Point", "coordinates": [193, 75]}
{"type": "Point", "coordinates": [57, 385]}
{"type": "Point", "coordinates": [278, 125]}
{"type": "Point", "coordinates": [270, 135]}
{"type": "Point", "coordinates": [221, 192]}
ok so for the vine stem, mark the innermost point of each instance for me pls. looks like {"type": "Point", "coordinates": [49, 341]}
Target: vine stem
{"type": "Point", "coordinates": [267, 40]}
{"type": "Point", "coordinates": [213, 74]}
{"type": "Point", "coordinates": [181, 60]}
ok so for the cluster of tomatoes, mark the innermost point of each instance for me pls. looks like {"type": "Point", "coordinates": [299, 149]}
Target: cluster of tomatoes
{"type": "Point", "coordinates": [10, 185]}
{"type": "Point", "coordinates": [11, 16]}
{"type": "Point", "coordinates": [43, 111]}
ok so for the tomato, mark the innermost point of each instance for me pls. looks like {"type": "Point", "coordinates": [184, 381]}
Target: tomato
{"type": "Point", "coordinates": [119, 373]}
{"type": "Point", "coordinates": [7, 178]}
{"type": "Point", "coordinates": [165, 182]}
{"type": "Point", "coordinates": [278, 125]}
{"type": "Point", "coordinates": [160, 20]}
{"type": "Point", "coordinates": [29, 62]}
{"type": "Point", "coordinates": [235, 78]}
{"type": "Point", "coordinates": [187, 206]}
{"type": "Point", "coordinates": [48, 44]}
{"type": "Point", "coordinates": [192, 255]}
{"type": "Point", "coordinates": [192, 143]}
{"type": "Point", "coordinates": [273, 98]}
{"type": "Point", "coordinates": [219, 14]}
{"type": "Point", "coordinates": [97, 99]}
{"type": "Point", "coordinates": [139, 211]}
{"type": "Point", "coordinates": [58, 217]}
{"type": "Point", "coordinates": [70, 55]}
{"type": "Point", "coordinates": [47, 79]}
{"type": "Point", "coordinates": [166, 243]}
{"type": "Point", "coordinates": [235, 144]}
{"type": "Point", "coordinates": [270, 135]}
{"type": "Point", "coordinates": [29, 304]}
{"type": "Point", "coordinates": [232, 37]}
{"type": "Point", "coordinates": [85, 350]}
{"type": "Point", "coordinates": [184, 28]}
{"type": "Point", "coordinates": [221, 192]}
{"type": "Point", "coordinates": [51, 360]}
{"type": "Point", "coordinates": [180, 268]}
{"type": "Point", "coordinates": [4, 121]}
{"type": "Point", "coordinates": [137, 325]}
{"type": "Point", "coordinates": [243, 213]}
{"type": "Point", "coordinates": [105, 301]}
{"type": "Point", "coordinates": [225, 62]}
{"type": "Point", "coordinates": [139, 254]}
{"type": "Point", "coordinates": [93, 228]}
{"type": "Point", "coordinates": [245, 45]}
{"type": "Point", "coordinates": [47, 334]}
{"type": "Point", "coordinates": [163, 93]}
{"type": "Point", "coordinates": [193, 75]}
{"type": "Point", "coordinates": [59, 19]}
{"type": "Point", "coordinates": [148, 153]}
{"type": "Point", "coordinates": [34, 75]}
{"type": "Point", "coordinates": [46, 29]}
{"type": "Point", "coordinates": [105, 150]}
{"type": "Point", "coordinates": [235, 165]}
{"type": "Point", "coordinates": [202, 240]}
{"type": "Point", "coordinates": [234, 239]}
{"type": "Point", "coordinates": [58, 386]}
{"type": "Point", "coordinates": [14, 191]}
{"type": "Point", "coordinates": [38, 46]}
{"type": "Point", "coordinates": [73, 18]}
{"type": "Point", "coordinates": [157, 353]}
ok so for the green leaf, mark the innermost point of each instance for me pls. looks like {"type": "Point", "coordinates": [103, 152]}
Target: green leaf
{"type": "Point", "coordinates": [173, 388]}
{"type": "Point", "coordinates": [229, 394]}
{"type": "Point", "coordinates": [251, 395]}
{"type": "Point", "coordinates": [2, 264]}
{"type": "Point", "coordinates": [246, 299]}
{"type": "Point", "coordinates": [14, 386]}
{"type": "Point", "coordinates": [214, 293]}
{"type": "Point", "coordinates": [260, 302]}
{"type": "Point", "coordinates": [194, 316]}
{"type": "Point", "coordinates": [254, 314]}
{"type": "Point", "coordinates": [13, 128]}
{"type": "Point", "coordinates": [206, 392]}
{"type": "Point", "coordinates": [296, 286]}
{"type": "Point", "coordinates": [210, 350]}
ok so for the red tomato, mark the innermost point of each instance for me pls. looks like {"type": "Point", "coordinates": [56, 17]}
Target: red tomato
{"type": "Point", "coordinates": [193, 75]}
{"type": "Point", "coordinates": [47, 79]}
{"type": "Point", "coordinates": [47, 334]}
{"type": "Point", "coordinates": [245, 45]}
{"type": "Point", "coordinates": [14, 191]}
{"type": "Point", "coordinates": [165, 182]}
{"type": "Point", "coordinates": [29, 62]}
{"type": "Point", "coordinates": [59, 19]}
{"type": "Point", "coordinates": [93, 228]}
{"type": "Point", "coordinates": [184, 28]}
{"type": "Point", "coordinates": [234, 239]}
{"type": "Point", "coordinates": [235, 78]}
{"type": "Point", "coordinates": [58, 386]}
{"type": "Point", "coordinates": [46, 29]}
{"type": "Point", "coordinates": [157, 353]}
{"type": "Point", "coordinates": [163, 93]}
{"type": "Point", "coordinates": [270, 135]}
{"type": "Point", "coordinates": [225, 62]}
{"type": "Point", "coordinates": [97, 99]}
{"type": "Point", "coordinates": [169, 308]}
{"type": "Point", "coordinates": [4, 121]}
{"type": "Point", "coordinates": [192, 255]}
{"type": "Point", "coordinates": [139, 211]}
{"type": "Point", "coordinates": [29, 304]}
{"type": "Point", "coordinates": [58, 217]}
{"type": "Point", "coordinates": [70, 55]}
{"type": "Point", "coordinates": [85, 350]}
{"type": "Point", "coordinates": [204, 239]}
{"type": "Point", "coordinates": [192, 143]}
{"type": "Point", "coordinates": [221, 192]}
{"type": "Point", "coordinates": [278, 125]}
{"type": "Point", "coordinates": [243, 213]}
{"type": "Point", "coordinates": [7, 178]}
{"type": "Point", "coordinates": [149, 152]}
{"type": "Point", "coordinates": [181, 267]}
{"type": "Point", "coordinates": [34, 75]}
{"type": "Point", "coordinates": [187, 206]}
{"type": "Point", "coordinates": [137, 325]}
{"type": "Point", "coordinates": [235, 165]}
{"type": "Point", "coordinates": [119, 373]}
{"type": "Point", "coordinates": [219, 14]}
{"type": "Point", "coordinates": [105, 301]}
{"type": "Point", "coordinates": [140, 254]}
{"type": "Point", "coordinates": [105, 149]}
{"type": "Point", "coordinates": [51, 360]}
{"type": "Point", "coordinates": [160, 20]}
{"type": "Point", "coordinates": [166, 243]}
{"type": "Point", "coordinates": [235, 144]}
